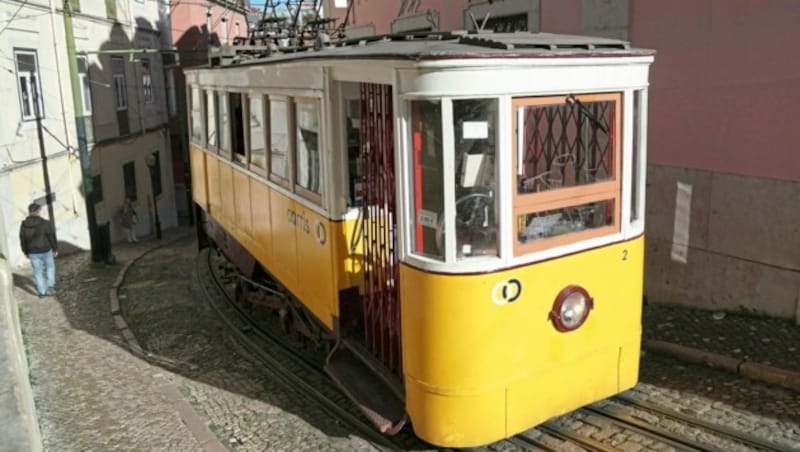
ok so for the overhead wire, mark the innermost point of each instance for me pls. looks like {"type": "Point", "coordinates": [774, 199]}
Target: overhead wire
{"type": "Point", "coordinates": [13, 16]}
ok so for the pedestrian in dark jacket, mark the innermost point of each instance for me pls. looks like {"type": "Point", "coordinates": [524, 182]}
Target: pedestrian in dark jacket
{"type": "Point", "coordinates": [38, 240]}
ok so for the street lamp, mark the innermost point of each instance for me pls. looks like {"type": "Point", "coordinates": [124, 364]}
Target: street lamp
{"type": "Point", "coordinates": [150, 161]}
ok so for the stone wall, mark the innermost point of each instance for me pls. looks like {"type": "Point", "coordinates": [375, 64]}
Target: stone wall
{"type": "Point", "coordinates": [743, 248]}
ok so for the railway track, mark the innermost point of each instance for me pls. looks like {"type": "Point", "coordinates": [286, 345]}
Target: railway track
{"type": "Point", "coordinates": [301, 369]}
{"type": "Point", "coordinates": [629, 406]}
{"type": "Point", "coordinates": [297, 369]}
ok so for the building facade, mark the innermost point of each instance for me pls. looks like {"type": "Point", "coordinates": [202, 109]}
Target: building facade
{"type": "Point", "coordinates": [125, 102]}
{"type": "Point", "coordinates": [197, 27]}
{"type": "Point", "coordinates": [723, 196]}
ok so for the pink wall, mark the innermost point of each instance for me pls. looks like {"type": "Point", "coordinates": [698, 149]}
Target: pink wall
{"type": "Point", "coordinates": [725, 86]}
{"type": "Point", "coordinates": [725, 93]}
{"type": "Point", "coordinates": [191, 17]}
{"type": "Point", "coordinates": [560, 16]}
{"type": "Point", "coordinates": [381, 13]}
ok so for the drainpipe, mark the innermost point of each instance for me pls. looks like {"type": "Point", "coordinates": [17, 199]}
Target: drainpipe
{"type": "Point", "coordinates": [98, 253]}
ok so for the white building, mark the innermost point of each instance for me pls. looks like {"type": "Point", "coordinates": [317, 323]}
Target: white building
{"type": "Point", "coordinates": [124, 99]}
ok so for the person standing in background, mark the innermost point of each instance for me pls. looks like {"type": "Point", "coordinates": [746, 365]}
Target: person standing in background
{"type": "Point", "coordinates": [37, 238]}
{"type": "Point", "coordinates": [128, 219]}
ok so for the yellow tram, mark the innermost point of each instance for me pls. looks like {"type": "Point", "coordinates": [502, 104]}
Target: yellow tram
{"type": "Point", "coordinates": [459, 215]}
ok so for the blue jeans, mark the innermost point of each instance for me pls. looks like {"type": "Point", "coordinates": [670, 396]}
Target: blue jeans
{"type": "Point", "coordinates": [39, 260]}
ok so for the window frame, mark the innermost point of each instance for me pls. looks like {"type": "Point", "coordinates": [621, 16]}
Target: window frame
{"type": "Point", "coordinates": [30, 103]}
{"type": "Point", "coordinates": [299, 189]}
{"type": "Point", "coordinates": [263, 172]}
{"type": "Point", "coordinates": [496, 177]}
{"type": "Point", "coordinates": [86, 88]}
{"type": "Point", "coordinates": [285, 182]}
{"type": "Point", "coordinates": [222, 97]}
{"type": "Point", "coordinates": [148, 95]}
{"type": "Point", "coordinates": [528, 203]}
{"type": "Point", "coordinates": [190, 103]}
{"type": "Point", "coordinates": [206, 120]}
{"type": "Point", "coordinates": [120, 93]}
{"type": "Point", "coordinates": [240, 159]}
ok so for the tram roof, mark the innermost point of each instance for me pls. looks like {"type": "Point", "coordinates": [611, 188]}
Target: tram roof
{"type": "Point", "coordinates": [427, 46]}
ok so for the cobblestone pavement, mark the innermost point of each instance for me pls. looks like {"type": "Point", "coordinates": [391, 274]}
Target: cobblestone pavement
{"type": "Point", "coordinates": [197, 391]}
{"type": "Point", "coordinates": [245, 408]}
{"type": "Point", "coordinates": [765, 340]}
{"type": "Point", "coordinates": [92, 393]}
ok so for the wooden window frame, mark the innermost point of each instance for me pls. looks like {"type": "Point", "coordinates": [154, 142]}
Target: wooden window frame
{"type": "Point", "coordinates": [559, 198]}
{"type": "Point", "coordinates": [211, 147]}
{"type": "Point", "coordinates": [241, 160]}
{"type": "Point", "coordinates": [33, 84]}
{"type": "Point", "coordinates": [299, 189]}
{"type": "Point", "coordinates": [190, 112]}
{"type": "Point", "coordinates": [288, 181]}
{"type": "Point", "coordinates": [263, 172]}
{"type": "Point", "coordinates": [220, 149]}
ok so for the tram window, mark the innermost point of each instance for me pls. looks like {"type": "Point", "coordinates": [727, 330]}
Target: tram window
{"type": "Point", "coordinates": [211, 119]}
{"type": "Point", "coordinates": [196, 117]}
{"type": "Point", "coordinates": [353, 118]}
{"type": "Point", "coordinates": [279, 138]}
{"type": "Point", "coordinates": [567, 158]}
{"type": "Point", "coordinates": [427, 178]}
{"type": "Point", "coordinates": [565, 220]}
{"type": "Point", "coordinates": [636, 172]}
{"type": "Point", "coordinates": [307, 158]}
{"type": "Point", "coordinates": [237, 127]}
{"type": "Point", "coordinates": [223, 123]}
{"type": "Point", "coordinates": [475, 134]}
{"type": "Point", "coordinates": [258, 150]}
{"type": "Point", "coordinates": [565, 144]}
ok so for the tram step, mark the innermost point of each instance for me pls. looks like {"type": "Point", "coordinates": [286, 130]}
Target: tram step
{"type": "Point", "coordinates": [361, 383]}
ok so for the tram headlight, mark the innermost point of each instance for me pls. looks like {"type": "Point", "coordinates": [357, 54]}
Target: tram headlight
{"type": "Point", "coordinates": [571, 308]}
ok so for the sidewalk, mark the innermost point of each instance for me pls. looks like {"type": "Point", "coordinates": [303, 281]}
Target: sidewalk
{"type": "Point", "coordinates": [19, 429]}
{"type": "Point", "coordinates": [760, 348]}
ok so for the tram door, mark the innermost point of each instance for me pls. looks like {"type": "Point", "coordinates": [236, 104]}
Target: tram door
{"type": "Point", "coordinates": [378, 212]}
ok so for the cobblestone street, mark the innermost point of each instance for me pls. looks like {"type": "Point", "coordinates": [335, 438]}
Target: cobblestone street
{"type": "Point", "coordinates": [92, 393]}
{"type": "Point", "coordinates": [194, 389]}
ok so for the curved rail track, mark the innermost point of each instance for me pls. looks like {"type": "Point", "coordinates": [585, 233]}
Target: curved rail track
{"type": "Point", "coordinates": [296, 368]}
{"type": "Point", "coordinates": [301, 368]}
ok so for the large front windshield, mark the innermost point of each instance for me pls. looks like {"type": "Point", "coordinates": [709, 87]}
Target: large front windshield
{"type": "Point", "coordinates": [475, 146]}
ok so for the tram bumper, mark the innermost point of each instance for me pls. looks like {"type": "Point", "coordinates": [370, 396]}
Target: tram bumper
{"type": "Point", "coordinates": [449, 418]}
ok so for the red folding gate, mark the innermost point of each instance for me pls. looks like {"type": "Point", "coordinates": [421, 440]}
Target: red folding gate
{"type": "Point", "coordinates": [381, 301]}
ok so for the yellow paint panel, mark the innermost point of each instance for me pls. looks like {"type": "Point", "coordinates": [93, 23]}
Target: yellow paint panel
{"type": "Point", "coordinates": [262, 221]}
{"type": "Point", "coordinates": [226, 191]}
{"type": "Point", "coordinates": [314, 266]}
{"type": "Point", "coordinates": [558, 391]}
{"type": "Point", "coordinates": [284, 243]}
{"type": "Point", "coordinates": [214, 201]}
{"type": "Point", "coordinates": [458, 342]}
{"type": "Point", "coordinates": [198, 167]}
{"type": "Point", "coordinates": [241, 194]}
{"type": "Point", "coordinates": [457, 421]}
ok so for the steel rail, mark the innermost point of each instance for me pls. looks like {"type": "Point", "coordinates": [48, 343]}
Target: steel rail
{"type": "Point", "coordinates": [628, 422]}
{"type": "Point", "coordinates": [524, 442]}
{"type": "Point", "coordinates": [568, 435]}
{"type": "Point", "coordinates": [719, 430]}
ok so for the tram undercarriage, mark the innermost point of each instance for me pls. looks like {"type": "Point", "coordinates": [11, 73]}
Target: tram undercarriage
{"type": "Point", "coordinates": [362, 377]}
